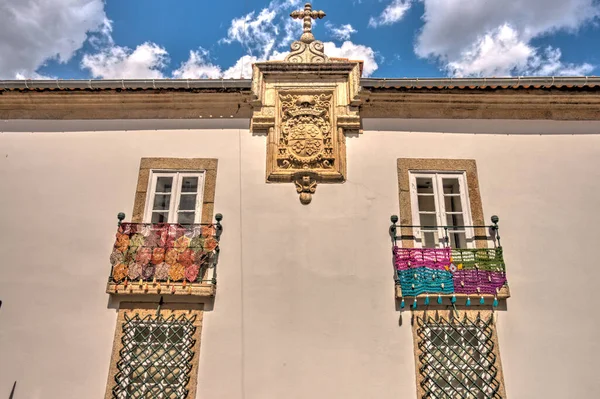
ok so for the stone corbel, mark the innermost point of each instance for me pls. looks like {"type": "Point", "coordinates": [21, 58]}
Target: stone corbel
{"type": "Point", "coordinates": [350, 124]}
{"type": "Point", "coordinates": [262, 124]}
{"type": "Point", "coordinates": [306, 185]}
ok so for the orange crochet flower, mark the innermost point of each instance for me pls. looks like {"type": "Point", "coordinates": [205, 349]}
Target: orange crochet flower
{"type": "Point", "coordinates": [208, 231]}
{"type": "Point", "coordinates": [186, 258]}
{"type": "Point", "coordinates": [171, 256]}
{"type": "Point", "coordinates": [182, 243]}
{"type": "Point", "coordinates": [158, 256]}
{"type": "Point", "coordinates": [210, 244]}
{"type": "Point", "coordinates": [122, 242]}
{"type": "Point", "coordinates": [177, 272]}
{"type": "Point", "coordinates": [120, 271]}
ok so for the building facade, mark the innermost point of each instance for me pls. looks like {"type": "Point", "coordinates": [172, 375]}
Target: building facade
{"type": "Point", "coordinates": [304, 234]}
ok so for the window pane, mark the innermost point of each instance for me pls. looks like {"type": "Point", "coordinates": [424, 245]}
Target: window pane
{"type": "Point", "coordinates": [164, 184]}
{"type": "Point", "coordinates": [451, 186]}
{"type": "Point", "coordinates": [424, 185]}
{"type": "Point", "coordinates": [458, 240]}
{"type": "Point", "coordinates": [428, 219]}
{"type": "Point", "coordinates": [455, 220]}
{"type": "Point", "coordinates": [453, 204]}
{"type": "Point", "coordinates": [159, 217]}
{"type": "Point", "coordinates": [429, 240]}
{"type": "Point", "coordinates": [186, 217]}
{"type": "Point", "coordinates": [426, 203]}
{"type": "Point", "coordinates": [189, 185]}
{"type": "Point", "coordinates": [187, 202]}
{"type": "Point", "coordinates": [161, 202]}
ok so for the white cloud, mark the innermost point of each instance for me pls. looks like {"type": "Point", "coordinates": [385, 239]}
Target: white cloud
{"type": "Point", "coordinates": [293, 31]}
{"type": "Point", "coordinates": [354, 52]}
{"type": "Point", "coordinates": [502, 53]}
{"type": "Point", "coordinates": [393, 13]}
{"type": "Point", "coordinates": [548, 63]}
{"type": "Point", "coordinates": [33, 32]}
{"type": "Point", "coordinates": [342, 32]}
{"type": "Point", "coordinates": [115, 62]}
{"type": "Point", "coordinates": [261, 34]}
{"type": "Point", "coordinates": [257, 34]}
{"type": "Point", "coordinates": [475, 38]}
{"type": "Point", "coordinates": [197, 67]}
{"type": "Point", "coordinates": [242, 69]}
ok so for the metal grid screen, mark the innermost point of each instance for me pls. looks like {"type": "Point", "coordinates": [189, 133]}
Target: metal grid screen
{"type": "Point", "coordinates": [156, 357]}
{"type": "Point", "coordinates": [457, 358]}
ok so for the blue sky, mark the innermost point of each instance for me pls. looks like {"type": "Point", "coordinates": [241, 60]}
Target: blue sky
{"type": "Point", "coordinates": [82, 39]}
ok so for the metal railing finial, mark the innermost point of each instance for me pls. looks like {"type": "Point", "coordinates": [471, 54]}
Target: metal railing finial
{"type": "Point", "coordinates": [495, 228]}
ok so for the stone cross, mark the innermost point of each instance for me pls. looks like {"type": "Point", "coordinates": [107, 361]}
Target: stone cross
{"type": "Point", "coordinates": [308, 15]}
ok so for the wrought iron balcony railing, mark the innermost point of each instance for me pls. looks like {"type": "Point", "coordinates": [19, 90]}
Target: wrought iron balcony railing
{"type": "Point", "coordinates": [165, 258]}
{"type": "Point", "coordinates": [453, 275]}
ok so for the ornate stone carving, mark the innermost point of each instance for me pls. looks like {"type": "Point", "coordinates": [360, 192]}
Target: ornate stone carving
{"type": "Point", "coordinates": [306, 105]}
{"type": "Point", "coordinates": [306, 137]}
{"type": "Point", "coordinates": [307, 49]}
{"type": "Point", "coordinates": [306, 185]}
{"type": "Point", "coordinates": [307, 53]}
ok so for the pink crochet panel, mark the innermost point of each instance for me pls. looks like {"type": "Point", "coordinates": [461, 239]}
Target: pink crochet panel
{"type": "Point", "coordinates": [433, 258]}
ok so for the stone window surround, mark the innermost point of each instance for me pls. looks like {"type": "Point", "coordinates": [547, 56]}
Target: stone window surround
{"type": "Point", "coordinates": [471, 314]}
{"type": "Point", "coordinates": [208, 165]}
{"type": "Point", "coordinates": [166, 310]}
{"type": "Point", "coordinates": [406, 165]}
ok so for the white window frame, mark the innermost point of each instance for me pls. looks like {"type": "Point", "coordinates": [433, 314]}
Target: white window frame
{"type": "Point", "coordinates": [177, 176]}
{"type": "Point", "coordinates": [436, 177]}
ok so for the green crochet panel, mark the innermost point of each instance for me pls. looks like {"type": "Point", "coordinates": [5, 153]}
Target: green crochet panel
{"type": "Point", "coordinates": [489, 259]}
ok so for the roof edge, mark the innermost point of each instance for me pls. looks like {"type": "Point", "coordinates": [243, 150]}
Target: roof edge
{"type": "Point", "coordinates": [510, 82]}
{"type": "Point", "coordinates": [125, 84]}
{"type": "Point", "coordinates": [245, 84]}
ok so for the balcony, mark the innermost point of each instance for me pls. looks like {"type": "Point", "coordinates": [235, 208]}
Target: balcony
{"type": "Point", "coordinates": [165, 259]}
{"type": "Point", "coordinates": [455, 276]}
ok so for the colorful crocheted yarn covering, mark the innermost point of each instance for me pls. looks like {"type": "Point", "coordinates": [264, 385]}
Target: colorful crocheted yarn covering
{"type": "Point", "coordinates": [162, 252]}
{"type": "Point", "coordinates": [469, 281]}
{"type": "Point", "coordinates": [447, 271]}
{"type": "Point", "coordinates": [433, 258]}
{"type": "Point", "coordinates": [422, 280]}
{"type": "Point", "coordinates": [479, 259]}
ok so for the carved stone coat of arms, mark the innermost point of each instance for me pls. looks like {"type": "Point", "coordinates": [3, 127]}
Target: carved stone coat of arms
{"type": "Point", "coordinates": [305, 141]}
{"type": "Point", "coordinates": [306, 105]}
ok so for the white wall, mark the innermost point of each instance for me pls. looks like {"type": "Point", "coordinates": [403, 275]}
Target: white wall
{"type": "Point", "coordinates": [305, 304]}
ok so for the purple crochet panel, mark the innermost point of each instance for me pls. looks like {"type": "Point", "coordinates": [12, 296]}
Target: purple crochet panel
{"type": "Point", "coordinates": [467, 281]}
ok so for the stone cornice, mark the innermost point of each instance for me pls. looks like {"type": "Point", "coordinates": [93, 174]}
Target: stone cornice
{"type": "Point", "coordinates": [113, 104]}
{"type": "Point", "coordinates": [553, 104]}
{"type": "Point", "coordinates": [576, 103]}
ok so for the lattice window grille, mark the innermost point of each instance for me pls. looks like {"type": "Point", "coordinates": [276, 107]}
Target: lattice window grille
{"type": "Point", "coordinates": [156, 357]}
{"type": "Point", "coordinates": [457, 358]}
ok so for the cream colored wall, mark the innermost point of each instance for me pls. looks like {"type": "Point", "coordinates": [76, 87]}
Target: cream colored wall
{"type": "Point", "coordinates": [60, 196]}
{"type": "Point", "coordinates": [305, 304]}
